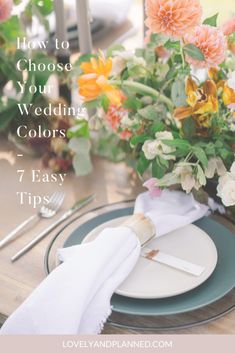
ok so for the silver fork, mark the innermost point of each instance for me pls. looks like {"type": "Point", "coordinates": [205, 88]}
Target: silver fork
{"type": "Point", "coordinates": [46, 211]}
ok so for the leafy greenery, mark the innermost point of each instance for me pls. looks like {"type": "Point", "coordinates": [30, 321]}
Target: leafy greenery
{"type": "Point", "coordinates": [9, 73]}
{"type": "Point", "coordinates": [194, 52]}
{"type": "Point", "coordinates": [211, 21]}
{"type": "Point", "coordinates": [81, 160]}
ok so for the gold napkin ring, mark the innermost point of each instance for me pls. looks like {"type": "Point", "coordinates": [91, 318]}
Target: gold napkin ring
{"type": "Point", "coordinates": [142, 226]}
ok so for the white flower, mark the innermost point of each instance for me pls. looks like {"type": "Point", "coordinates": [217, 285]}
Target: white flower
{"type": "Point", "coordinates": [165, 150]}
{"type": "Point", "coordinates": [186, 178]}
{"type": "Point", "coordinates": [215, 165]}
{"type": "Point", "coordinates": [226, 187]}
{"type": "Point", "coordinates": [190, 177]}
{"type": "Point", "coordinates": [231, 80]}
{"type": "Point", "coordinates": [150, 149]}
{"type": "Point", "coordinates": [118, 66]}
{"type": "Point", "coordinates": [226, 190]}
{"type": "Point", "coordinates": [154, 148]}
{"type": "Point", "coordinates": [121, 58]}
{"type": "Point", "coordinates": [127, 122]}
{"type": "Point", "coordinates": [164, 135]}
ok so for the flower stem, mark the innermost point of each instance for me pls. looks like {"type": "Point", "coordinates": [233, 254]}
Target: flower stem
{"type": "Point", "coordinates": [144, 89]}
{"type": "Point", "coordinates": [182, 55]}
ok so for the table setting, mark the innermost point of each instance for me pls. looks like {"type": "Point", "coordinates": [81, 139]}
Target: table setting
{"type": "Point", "coordinates": [134, 231]}
{"type": "Point", "coordinates": [118, 252]}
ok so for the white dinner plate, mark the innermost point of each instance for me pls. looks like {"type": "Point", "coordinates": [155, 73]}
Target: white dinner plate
{"type": "Point", "coordinates": [150, 280]}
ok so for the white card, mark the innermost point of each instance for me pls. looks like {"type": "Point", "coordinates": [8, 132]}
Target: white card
{"type": "Point", "coordinates": [172, 261]}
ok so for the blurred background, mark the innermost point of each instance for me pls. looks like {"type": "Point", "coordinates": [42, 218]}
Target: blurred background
{"type": "Point", "coordinates": [119, 20]}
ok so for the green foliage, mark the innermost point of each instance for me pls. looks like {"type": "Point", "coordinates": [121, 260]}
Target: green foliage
{"type": "Point", "coordinates": [159, 167]}
{"type": "Point", "coordinates": [28, 96]}
{"type": "Point", "coordinates": [41, 77]}
{"type": "Point", "coordinates": [132, 103]}
{"type": "Point", "coordinates": [45, 7]}
{"type": "Point", "coordinates": [157, 127]}
{"type": "Point", "coordinates": [150, 112]}
{"type": "Point", "coordinates": [7, 112]}
{"type": "Point", "coordinates": [189, 127]}
{"type": "Point", "coordinates": [81, 129]}
{"type": "Point", "coordinates": [108, 145]}
{"type": "Point", "coordinates": [139, 139]}
{"type": "Point", "coordinates": [211, 21]}
{"type": "Point", "coordinates": [41, 9]}
{"type": "Point", "coordinates": [194, 52]}
{"type": "Point", "coordinates": [200, 175]}
{"type": "Point", "coordinates": [178, 95]}
{"type": "Point", "coordinates": [114, 48]}
{"type": "Point", "coordinates": [142, 164]}
{"type": "Point", "coordinates": [105, 103]}
{"type": "Point", "coordinates": [170, 44]}
{"type": "Point", "coordinates": [157, 39]}
{"type": "Point", "coordinates": [10, 30]}
{"type": "Point", "coordinates": [81, 161]}
{"type": "Point", "coordinates": [8, 70]}
{"type": "Point", "coordinates": [200, 154]}
{"type": "Point", "coordinates": [180, 144]}
{"type": "Point", "coordinates": [148, 54]}
{"type": "Point", "coordinates": [135, 70]}
{"type": "Point", "coordinates": [83, 58]}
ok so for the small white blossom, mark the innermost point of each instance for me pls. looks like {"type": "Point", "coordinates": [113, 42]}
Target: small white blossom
{"type": "Point", "coordinates": [215, 165]}
{"type": "Point", "coordinates": [154, 148]}
{"type": "Point", "coordinates": [118, 66]}
{"type": "Point", "coordinates": [150, 149]}
{"type": "Point", "coordinates": [186, 177]}
{"type": "Point", "coordinates": [126, 122]}
{"type": "Point", "coordinates": [120, 59]}
{"type": "Point", "coordinates": [226, 187]}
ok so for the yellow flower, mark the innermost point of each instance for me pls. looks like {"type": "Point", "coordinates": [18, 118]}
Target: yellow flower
{"type": "Point", "coordinates": [228, 95]}
{"type": "Point", "coordinates": [213, 74]}
{"type": "Point", "coordinates": [94, 81]}
{"type": "Point", "coordinates": [201, 100]}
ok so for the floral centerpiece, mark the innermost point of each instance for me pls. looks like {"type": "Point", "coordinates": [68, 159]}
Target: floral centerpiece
{"type": "Point", "coordinates": [168, 108]}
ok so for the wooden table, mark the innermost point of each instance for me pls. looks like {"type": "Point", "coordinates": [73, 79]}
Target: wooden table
{"type": "Point", "coordinates": [111, 183]}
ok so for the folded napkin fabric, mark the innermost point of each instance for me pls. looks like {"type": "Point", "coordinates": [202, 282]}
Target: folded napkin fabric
{"type": "Point", "coordinates": [170, 211]}
{"type": "Point", "coordinates": [75, 297]}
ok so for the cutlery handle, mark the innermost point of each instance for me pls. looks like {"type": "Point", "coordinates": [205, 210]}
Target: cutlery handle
{"type": "Point", "coordinates": [21, 226]}
{"type": "Point", "coordinates": [40, 236]}
{"type": "Point", "coordinates": [80, 204]}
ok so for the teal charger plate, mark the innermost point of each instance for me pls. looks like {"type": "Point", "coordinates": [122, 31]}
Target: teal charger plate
{"type": "Point", "coordinates": [221, 282]}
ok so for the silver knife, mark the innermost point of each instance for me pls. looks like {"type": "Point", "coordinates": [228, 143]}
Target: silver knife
{"type": "Point", "coordinates": [77, 206]}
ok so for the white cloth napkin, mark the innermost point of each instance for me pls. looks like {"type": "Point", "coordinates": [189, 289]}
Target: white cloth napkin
{"type": "Point", "coordinates": [75, 297]}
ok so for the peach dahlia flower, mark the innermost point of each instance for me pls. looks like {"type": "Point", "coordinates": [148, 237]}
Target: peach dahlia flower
{"type": "Point", "coordinates": [229, 27]}
{"type": "Point", "coordinates": [5, 9]}
{"type": "Point", "coordinates": [173, 17]}
{"type": "Point", "coordinates": [211, 42]}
